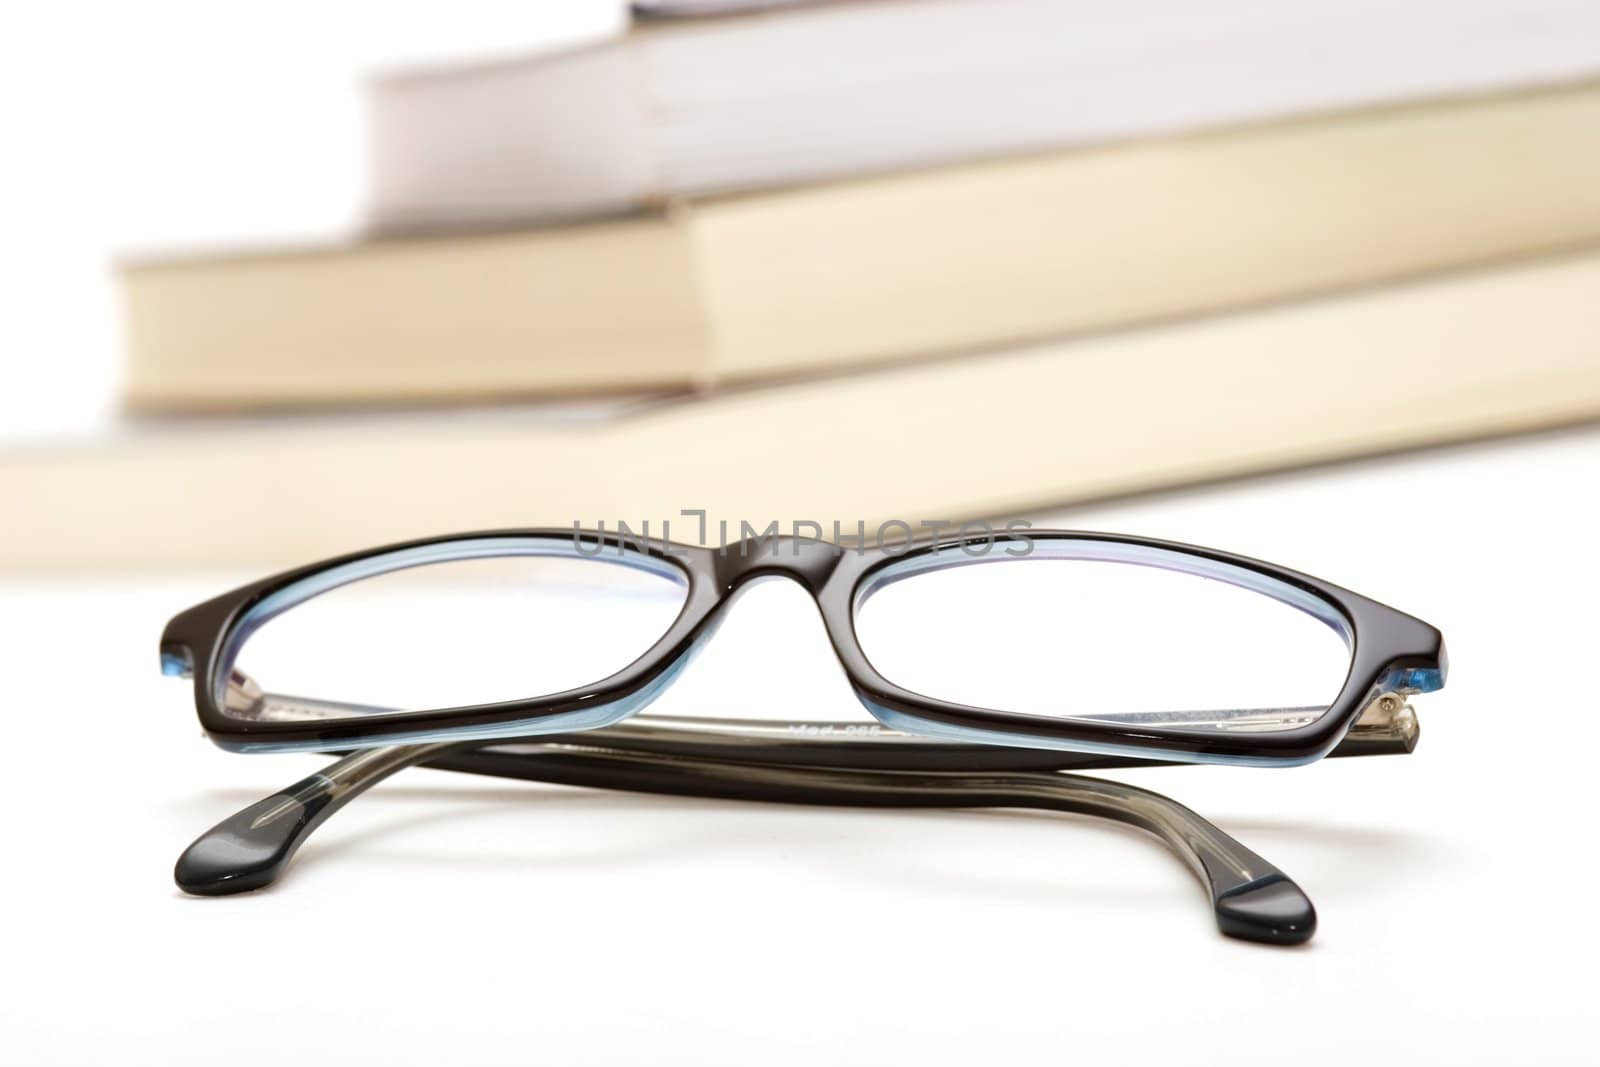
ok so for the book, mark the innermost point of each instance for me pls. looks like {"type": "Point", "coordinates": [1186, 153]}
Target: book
{"type": "Point", "coordinates": [703, 106]}
{"type": "Point", "coordinates": [696, 8]}
{"type": "Point", "coordinates": [1440, 359]}
{"type": "Point", "coordinates": [876, 270]}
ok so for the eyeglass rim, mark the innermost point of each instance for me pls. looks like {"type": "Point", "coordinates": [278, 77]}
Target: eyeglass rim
{"type": "Point", "coordinates": [1391, 652]}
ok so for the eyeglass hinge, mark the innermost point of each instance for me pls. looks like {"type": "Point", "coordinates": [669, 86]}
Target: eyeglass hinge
{"type": "Point", "coordinates": [1387, 724]}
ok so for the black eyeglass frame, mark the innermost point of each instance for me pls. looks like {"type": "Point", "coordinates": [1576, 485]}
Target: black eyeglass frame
{"type": "Point", "coordinates": [1391, 652]}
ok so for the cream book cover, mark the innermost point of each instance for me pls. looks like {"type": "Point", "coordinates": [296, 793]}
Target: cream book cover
{"type": "Point", "coordinates": [1473, 354]}
{"type": "Point", "coordinates": [874, 271]}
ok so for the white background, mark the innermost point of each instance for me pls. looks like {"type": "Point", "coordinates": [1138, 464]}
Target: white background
{"type": "Point", "coordinates": [471, 921]}
{"type": "Point", "coordinates": [167, 125]}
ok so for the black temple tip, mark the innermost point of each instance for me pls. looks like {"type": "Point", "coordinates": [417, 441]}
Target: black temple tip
{"type": "Point", "coordinates": [245, 851]}
{"type": "Point", "coordinates": [1272, 910]}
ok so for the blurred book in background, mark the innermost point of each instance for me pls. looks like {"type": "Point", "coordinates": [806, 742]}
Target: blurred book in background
{"type": "Point", "coordinates": [853, 273]}
{"type": "Point", "coordinates": [943, 260]}
{"type": "Point", "coordinates": [1454, 357]}
{"type": "Point", "coordinates": [696, 107]}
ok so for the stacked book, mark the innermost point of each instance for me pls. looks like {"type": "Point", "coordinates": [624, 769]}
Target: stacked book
{"type": "Point", "coordinates": [919, 259]}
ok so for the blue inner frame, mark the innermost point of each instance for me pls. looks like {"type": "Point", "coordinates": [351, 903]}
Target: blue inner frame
{"type": "Point", "coordinates": [1089, 549]}
{"type": "Point", "coordinates": [276, 603]}
{"type": "Point", "coordinates": [605, 714]}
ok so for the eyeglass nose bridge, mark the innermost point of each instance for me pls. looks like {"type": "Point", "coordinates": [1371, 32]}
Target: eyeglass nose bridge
{"type": "Point", "coordinates": [806, 560]}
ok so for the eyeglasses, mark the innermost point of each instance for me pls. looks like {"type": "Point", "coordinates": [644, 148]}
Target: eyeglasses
{"type": "Point", "coordinates": [993, 666]}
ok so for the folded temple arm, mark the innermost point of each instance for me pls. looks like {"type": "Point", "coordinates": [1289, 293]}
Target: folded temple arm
{"type": "Point", "coordinates": [246, 700]}
{"type": "Point", "coordinates": [809, 763]}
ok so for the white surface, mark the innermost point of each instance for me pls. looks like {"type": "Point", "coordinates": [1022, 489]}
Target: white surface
{"type": "Point", "coordinates": [446, 920]}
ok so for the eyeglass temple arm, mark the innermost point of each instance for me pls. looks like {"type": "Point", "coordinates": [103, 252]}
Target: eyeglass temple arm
{"type": "Point", "coordinates": [247, 700]}
{"type": "Point", "coordinates": [1250, 898]}
{"type": "Point", "coordinates": [1388, 727]}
